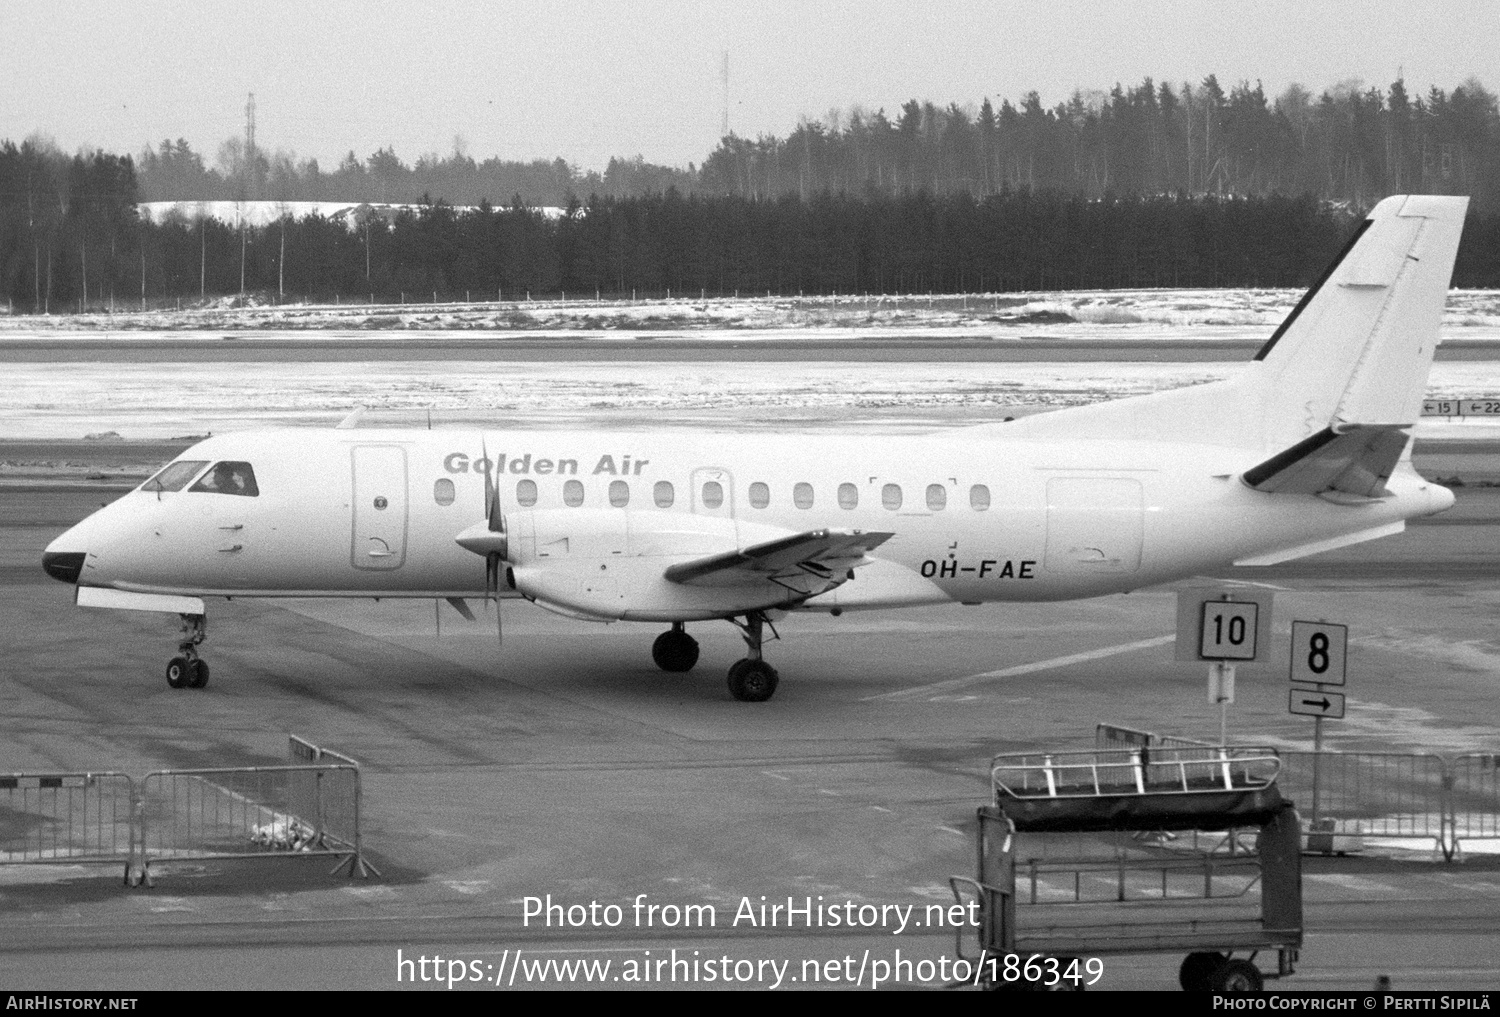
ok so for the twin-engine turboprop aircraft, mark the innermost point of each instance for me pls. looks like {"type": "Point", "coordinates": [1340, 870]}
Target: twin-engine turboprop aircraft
{"type": "Point", "coordinates": [1305, 451]}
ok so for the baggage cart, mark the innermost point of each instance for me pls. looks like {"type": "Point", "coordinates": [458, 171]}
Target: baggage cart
{"type": "Point", "coordinates": [1088, 854]}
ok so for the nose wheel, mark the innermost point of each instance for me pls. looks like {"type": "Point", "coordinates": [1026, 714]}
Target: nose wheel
{"type": "Point", "coordinates": [188, 670]}
{"type": "Point", "coordinates": [752, 680]}
{"type": "Point", "coordinates": [675, 650]}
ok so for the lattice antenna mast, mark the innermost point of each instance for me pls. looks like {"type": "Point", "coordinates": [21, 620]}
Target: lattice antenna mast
{"type": "Point", "coordinates": [724, 81]}
{"type": "Point", "coordinates": [250, 143]}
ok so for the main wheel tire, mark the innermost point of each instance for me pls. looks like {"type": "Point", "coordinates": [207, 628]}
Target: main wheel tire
{"type": "Point", "coordinates": [1197, 969]}
{"type": "Point", "coordinates": [675, 651]}
{"type": "Point", "coordinates": [1236, 976]}
{"type": "Point", "coordinates": [198, 675]}
{"type": "Point", "coordinates": [179, 672]}
{"type": "Point", "coordinates": [752, 681]}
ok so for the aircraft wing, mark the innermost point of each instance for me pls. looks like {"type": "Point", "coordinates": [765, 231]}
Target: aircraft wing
{"type": "Point", "coordinates": [805, 563]}
{"type": "Point", "coordinates": [1355, 459]}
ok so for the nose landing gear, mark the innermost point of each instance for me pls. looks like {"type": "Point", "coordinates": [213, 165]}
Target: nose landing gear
{"type": "Point", "coordinates": [675, 650]}
{"type": "Point", "coordinates": [752, 680]}
{"type": "Point", "coordinates": [189, 670]}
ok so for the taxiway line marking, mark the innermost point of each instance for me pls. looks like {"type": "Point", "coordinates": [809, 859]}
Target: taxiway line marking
{"type": "Point", "coordinates": [1019, 669]}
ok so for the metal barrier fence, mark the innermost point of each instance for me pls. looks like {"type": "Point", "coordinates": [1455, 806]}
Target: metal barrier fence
{"type": "Point", "coordinates": [311, 808]}
{"type": "Point", "coordinates": [338, 812]}
{"type": "Point", "coordinates": [248, 813]}
{"type": "Point", "coordinates": [1382, 795]}
{"type": "Point", "coordinates": [1113, 736]}
{"type": "Point", "coordinates": [1389, 795]}
{"type": "Point", "coordinates": [1474, 798]}
{"type": "Point", "coordinates": [68, 818]}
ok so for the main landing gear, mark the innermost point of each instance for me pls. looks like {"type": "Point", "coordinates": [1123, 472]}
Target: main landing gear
{"type": "Point", "coordinates": [675, 650]}
{"type": "Point", "coordinates": [189, 670]}
{"type": "Point", "coordinates": [752, 680]}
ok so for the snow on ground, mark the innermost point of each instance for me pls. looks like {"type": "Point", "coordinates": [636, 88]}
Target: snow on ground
{"type": "Point", "coordinates": [263, 213]}
{"type": "Point", "coordinates": [157, 400]}
{"type": "Point", "coordinates": [1114, 315]}
{"type": "Point", "coordinates": [160, 400]}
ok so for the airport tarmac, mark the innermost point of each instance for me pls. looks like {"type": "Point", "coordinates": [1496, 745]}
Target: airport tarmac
{"type": "Point", "coordinates": [563, 763]}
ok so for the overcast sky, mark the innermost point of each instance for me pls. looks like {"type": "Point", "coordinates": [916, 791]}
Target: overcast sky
{"type": "Point", "coordinates": [587, 80]}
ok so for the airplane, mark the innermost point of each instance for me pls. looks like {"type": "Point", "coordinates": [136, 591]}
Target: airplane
{"type": "Point", "coordinates": [1305, 450]}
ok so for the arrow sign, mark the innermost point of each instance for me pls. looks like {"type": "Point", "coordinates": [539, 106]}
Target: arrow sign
{"type": "Point", "coordinates": [1316, 703]}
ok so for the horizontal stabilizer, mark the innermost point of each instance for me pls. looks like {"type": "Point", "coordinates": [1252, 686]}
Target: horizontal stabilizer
{"type": "Point", "coordinates": [823, 556]}
{"type": "Point", "coordinates": [1282, 554]}
{"type": "Point", "coordinates": [1354, 459]}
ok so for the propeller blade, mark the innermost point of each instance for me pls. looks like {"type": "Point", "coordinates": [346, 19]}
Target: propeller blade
{"type": "Point", "coordinates": [491, 500]}
{"type": "Point", "coordinates": [492, 563]}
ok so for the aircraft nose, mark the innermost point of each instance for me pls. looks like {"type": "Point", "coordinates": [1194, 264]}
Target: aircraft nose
{"type": "Point", "coordinates": [63, 565]}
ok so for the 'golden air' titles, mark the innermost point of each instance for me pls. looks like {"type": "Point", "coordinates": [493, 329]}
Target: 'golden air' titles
{"type": "Point", "coordinates": [529, 463]}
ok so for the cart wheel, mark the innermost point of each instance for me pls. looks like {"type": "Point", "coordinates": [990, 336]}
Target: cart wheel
{"type": "Point", "coordinates": [1236, 976]}
{"type": "Point", "coordinates": [1197, 969]}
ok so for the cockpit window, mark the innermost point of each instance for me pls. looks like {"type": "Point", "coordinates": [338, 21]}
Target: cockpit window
{"type": "Point", "coordinates": [175, 476]}
{"type": "Point", "coordinates": [229, 478]}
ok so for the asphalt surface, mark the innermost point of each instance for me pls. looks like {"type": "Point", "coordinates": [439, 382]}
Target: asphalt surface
{"type": "Point", "coordinates": [562, 762]}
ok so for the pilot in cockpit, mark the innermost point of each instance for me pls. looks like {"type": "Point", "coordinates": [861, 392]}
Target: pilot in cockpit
{"type": "Point", "coordinates": [229, 478]}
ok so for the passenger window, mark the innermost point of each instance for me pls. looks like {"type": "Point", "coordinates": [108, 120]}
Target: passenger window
{"type": "Point", "coordinates": [760, 495]}
{"type": "Point", "coordinates": [848, 496]}
{"type": "Point", "coordinates": [442, 491]}
{"type": "Point", "coordinates": [664, 494]}
{"type": "Point", "coordinates": [802, 496]}
{"type": "Point", "coordinates": [713, 494]}
{"type": "Point", "coordinates": [573, 493]}
{"type": "Point", "coordinates": [619, 493]}
{"type": "Point", "coordinates": [937, 497]}
{"type": "Point", "coordinates": [228, 478]}
{"type": "Point", "coordinates": [175, 476]}
{"type": "Point", "coordinates": [890, 496]}
{"type": "Point", "coordinates": [979, 497]}
{"type": "Point", "coordinates": [526, 493]}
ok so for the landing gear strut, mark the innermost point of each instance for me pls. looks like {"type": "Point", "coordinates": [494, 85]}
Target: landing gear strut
{"type": "Point", "coordinates": [752, 680]}
{"type": "Point", "coordinates": [189, 670]}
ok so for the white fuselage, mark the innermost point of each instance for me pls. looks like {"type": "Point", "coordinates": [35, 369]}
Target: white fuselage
{"type": "Point", "coordinates": [975, 517]}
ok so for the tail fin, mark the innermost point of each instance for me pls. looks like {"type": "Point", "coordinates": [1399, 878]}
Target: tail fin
{"type": "Point", "coordinates": [1354, 352]}
{"type": "Point", "coordinates": [1358, 347]}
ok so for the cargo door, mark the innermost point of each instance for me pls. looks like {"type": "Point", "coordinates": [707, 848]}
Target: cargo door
{"type": "Point", "coordinates": [1094, 524]}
